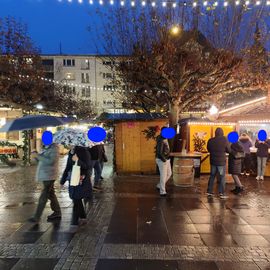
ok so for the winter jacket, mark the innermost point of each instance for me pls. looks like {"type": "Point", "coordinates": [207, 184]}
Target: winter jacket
{"type": "Point", "coordinates": [96, 152]}
{"type": "Point", "coordinates": [235, 163]}
{"type": "Point", "coordinates": [217, 147]}
{"type": "Point", "coordinates": [85, 189]}
{"type": "Point", "coordinates": [48, 164]}
{"type": "Point", "coordinates": [246, 143]}
{"type": "Point", "coordinates": [262, 148]}
{"type": "Point", "coordinates": [162, 149]}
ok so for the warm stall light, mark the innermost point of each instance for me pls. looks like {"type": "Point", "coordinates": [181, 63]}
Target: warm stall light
{"type": "Point", "coordinates": [212, 123]}
{"type": "Point", "coordinates": [213, 110]}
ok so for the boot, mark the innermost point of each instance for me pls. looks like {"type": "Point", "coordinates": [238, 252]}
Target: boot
{"type": "Point", "coordinates": [237, 190]}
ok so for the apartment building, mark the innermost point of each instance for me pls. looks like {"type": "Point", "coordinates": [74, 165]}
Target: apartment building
{"type": "Point", "coordinates": [87, 77]}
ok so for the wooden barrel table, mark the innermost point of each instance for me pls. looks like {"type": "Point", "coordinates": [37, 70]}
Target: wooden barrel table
{"type": "Point", "coordinates": [183, 168]}
{"type": "Point", "coordinates": [183, 172]}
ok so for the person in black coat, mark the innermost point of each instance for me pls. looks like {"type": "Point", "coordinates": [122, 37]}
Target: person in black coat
{"type": "Point", "coordinates": [84, 189]}
{"type": "Point", "coordinates": [235, 165]}
{"type": "Point", "coordinates": [262, 155]}
{"type": "Point", "coordinates": [217, 147]}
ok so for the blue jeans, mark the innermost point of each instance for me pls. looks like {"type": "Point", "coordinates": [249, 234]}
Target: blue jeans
{"type": "Point", "coordinates": [214, 170]}
{"type": "Point", "coordinates": [95, 164]}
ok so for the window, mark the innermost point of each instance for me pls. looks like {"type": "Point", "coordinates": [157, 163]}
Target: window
{"type": "Point", "coordinates": [69, 90]}
{"type": "Point", "coordinates": [47, 62]}
{"type": "Point", "coordinates": [108, 63]}
{"type": "Point", "coordinates": [69, 62]}
{"type": "Point", "coordinates": [109, 87]}
{"type": "Point", "coordinates": [86, 92]}
{"type": "Point", "coordinates": [107, 75]}
{"type": "Point", "coordinates": [85, 64]}
{"type": "Point", "coordinates": [85, 78]}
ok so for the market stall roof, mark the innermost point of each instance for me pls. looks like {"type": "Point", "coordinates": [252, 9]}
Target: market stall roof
{"type": "Point", "coordinates": [130, 116]}
{"type": "Point", "coordinates": [256, 109]}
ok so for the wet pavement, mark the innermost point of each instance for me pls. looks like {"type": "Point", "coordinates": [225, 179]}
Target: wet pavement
{"type": "Point", "coordinates": [131, 227]}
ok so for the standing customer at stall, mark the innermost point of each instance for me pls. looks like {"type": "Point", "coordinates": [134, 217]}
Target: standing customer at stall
{"type": "Point", "coordinates": [84, 189]}
{"type": "Point", "coordinates": [163, 162]}
{"type": "Point", "coordinates": [235, 161]}
{"type": "Point", "coordinates": [217, 147]}
{"type": "Point", "coordinates": [47, 171]}
{"type": "Point", "coordinates": [246, 161]}
{"type": "Point", "coordinates": [262, 154]}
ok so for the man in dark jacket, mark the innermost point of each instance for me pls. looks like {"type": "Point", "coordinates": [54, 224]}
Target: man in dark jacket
{"type": "Point", "coordinates": [163, 162]}
{"type": "Point", "coordinates": [217, 147]}
{"type": "Point", "coordinates": [262, 155]}
{"type": "Point", "coordinates": [96, 153]}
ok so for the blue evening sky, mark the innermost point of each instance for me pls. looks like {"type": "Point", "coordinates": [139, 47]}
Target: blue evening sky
{"type": "Point", "coordinates": [51, 22]}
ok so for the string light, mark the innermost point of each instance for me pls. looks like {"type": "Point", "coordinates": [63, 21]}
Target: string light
{"type": "Point", "coordinates": [172, 4]}
{"type": "Point", "coordinates": [212, 123]}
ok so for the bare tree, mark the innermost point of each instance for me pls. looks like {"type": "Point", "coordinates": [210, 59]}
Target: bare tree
{"type": "Point", "coordinates": [209, 59]}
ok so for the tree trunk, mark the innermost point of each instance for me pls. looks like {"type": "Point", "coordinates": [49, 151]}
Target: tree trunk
{"type": "Point", "coordinates": [173, 121]}
{"type": "Point", "coordinates": [174, 114]}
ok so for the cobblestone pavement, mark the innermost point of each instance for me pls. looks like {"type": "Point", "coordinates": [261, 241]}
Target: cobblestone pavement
{"type": "Point", "coordinates": [131, 227]}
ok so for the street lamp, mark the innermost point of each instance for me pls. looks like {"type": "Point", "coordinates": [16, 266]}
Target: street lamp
{"type": "Point", "coordinates": [175, 30]}
{"type": "Point", "coordinates": [39, 106]}
{"type": "Point", "coordinates": [213, 110]}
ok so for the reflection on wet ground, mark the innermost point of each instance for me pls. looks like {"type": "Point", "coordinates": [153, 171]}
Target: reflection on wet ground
{"type": "Point", "coordinates": [131, 227]}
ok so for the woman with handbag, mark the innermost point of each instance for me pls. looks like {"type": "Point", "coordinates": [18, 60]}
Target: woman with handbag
{"type": "Point", "coordinates": [235, 163]}
{"type": "Point", "coordinates": [80, 156]}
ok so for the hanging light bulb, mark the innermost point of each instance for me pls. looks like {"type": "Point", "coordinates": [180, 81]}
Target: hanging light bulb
{"type": "Point", "coordinates": [267, 3]}
{"type": "Point", "coordinates": [101, 2]}
{"type": "Point", "coordinates": [215, 4]}
{"type": "Point", "coordinates": [247, 3]}
{"type": "Point", "coordinates": [153, 4]}
{"type": "Point", "coordinates": [237, 3]}
{"type": "Point", "coordinates": [143, 3]}
{"type": "Point", "coordinates": [122, 3]}
{"type": "Point", "coordinates": [225, 4]}
{"type": "Point", "coordinates": [132, 3]}
{"type": "Point", "coordinates": [80, 1]}
{"type": "Point", "coordinates": [91, 2]}
{"type": "Point", "coordinates": [69, 1]}
{"type": "Point", "coordinates": [213, 110]}
{"type": "Point", "coordinates": [205, 3]}
{"type": "Point", "coordinates": [174, 5]}
{"type": "Point", "coordinates": [164, 4]}
{"type": "Point", "coordinates": [258, 3]}
{"type": "Point", "coordinates": [111, 2]}
{"type": "Point", "coordinates": [194, 4]}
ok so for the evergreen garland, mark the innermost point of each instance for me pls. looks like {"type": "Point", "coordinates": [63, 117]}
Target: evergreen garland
{"type": "Point", "coordinates": [26, 156]}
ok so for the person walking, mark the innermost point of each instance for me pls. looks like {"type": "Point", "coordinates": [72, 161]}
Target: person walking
{"type": "Point", "coordinates": [235, 162]}
{"type": "Point", "coordinates": [102, 160]}
{"type": "Point", "coordinates": [96, 157]}
{"type": "Point", "coordinates": [246, 161]}
{"type": "Point", "coordinates": [163, 163]}
{"type": "Point", "coordinates": [84, 189]}
{"type": "Point", "coordinates": [47, 172]}
{"type": "Point", "coordinates": [217, 147]}
{"type": "Point", "coordinates": [262, 155]}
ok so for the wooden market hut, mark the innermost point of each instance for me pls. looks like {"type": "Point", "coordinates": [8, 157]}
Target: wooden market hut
{"type": "Point", "coordinates": [133, 153]}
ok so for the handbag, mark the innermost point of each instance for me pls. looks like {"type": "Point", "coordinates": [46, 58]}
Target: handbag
{"type": "Point", "coordinates": [238, 155]}
{"type": "Point", "coordinates": [75, 175]}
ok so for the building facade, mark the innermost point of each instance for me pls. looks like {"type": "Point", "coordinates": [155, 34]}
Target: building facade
{"type": "Point", "coordinates": [88, 77]}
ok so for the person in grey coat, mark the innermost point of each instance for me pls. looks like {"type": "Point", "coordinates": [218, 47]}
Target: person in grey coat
{"type": "Point", "coordinates": [47, 172]}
